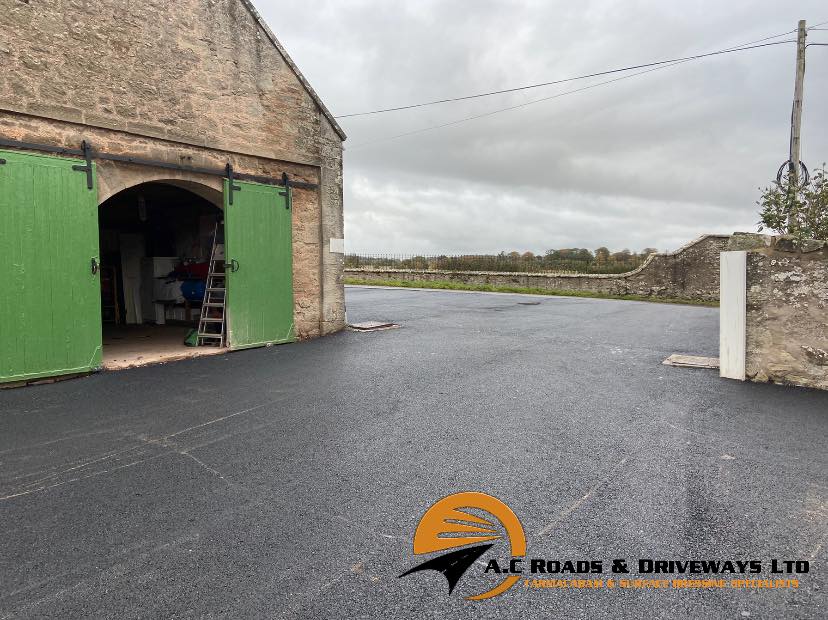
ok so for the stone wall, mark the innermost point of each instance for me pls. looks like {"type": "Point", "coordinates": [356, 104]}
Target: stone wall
{"type": "Point", "coordinates": [332, 227]}
{"type": "Point", "coordinates": [201, 72]}
{"type": "Point", "coordinates": [787, 314]}
{"type": "Point", "coordinates": [195, 82]}
{"type": "Point", "coordinates": [691, 272]}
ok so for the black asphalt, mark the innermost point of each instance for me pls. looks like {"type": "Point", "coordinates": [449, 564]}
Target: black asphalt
{"type": "Point", "coordinates": [287, 482]}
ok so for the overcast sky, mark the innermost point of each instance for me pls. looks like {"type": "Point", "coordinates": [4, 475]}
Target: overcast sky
{"type": "Point", "coordinates": [651, 161]}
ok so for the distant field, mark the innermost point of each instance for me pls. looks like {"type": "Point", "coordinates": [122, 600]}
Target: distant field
{"type": "Point", "coordinates": [560, 261]}
{"type": "Point", "coordinates": [457, 286]}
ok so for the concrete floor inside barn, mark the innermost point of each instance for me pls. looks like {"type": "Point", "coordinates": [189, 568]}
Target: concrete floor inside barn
{"type": "Point", "coordinates": [131, 346]}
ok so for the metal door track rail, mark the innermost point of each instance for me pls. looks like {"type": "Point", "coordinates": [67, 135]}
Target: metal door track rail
{"type": "Point", "coordinates": [88, 153]}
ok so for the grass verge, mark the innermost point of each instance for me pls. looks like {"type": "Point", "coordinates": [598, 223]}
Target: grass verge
{"type": "Point", "coordinates": [528, 290]}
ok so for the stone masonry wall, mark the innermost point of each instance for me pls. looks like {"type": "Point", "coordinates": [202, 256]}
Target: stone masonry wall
{"type": "Point", "coordinates": [200, 72]}
{"type": "Point", "coordinates": [691, 272]}
{"type": "Point", "coordinates": [333, 227]}
{"type": "Point", "coordinates": [195, 82]}
{"type": "Point", "coordinates": [787, 314]}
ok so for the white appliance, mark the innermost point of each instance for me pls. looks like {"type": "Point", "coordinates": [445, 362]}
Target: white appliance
{"type": "Point", "coordinates": [154, 269]}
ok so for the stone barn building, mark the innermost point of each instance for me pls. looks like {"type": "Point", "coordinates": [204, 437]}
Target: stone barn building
{"type": "Point", "coordinates": [166, 173]}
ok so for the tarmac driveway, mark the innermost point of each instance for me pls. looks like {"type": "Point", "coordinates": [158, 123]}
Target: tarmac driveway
{"type": "Point", "coordinates": [287, 482]}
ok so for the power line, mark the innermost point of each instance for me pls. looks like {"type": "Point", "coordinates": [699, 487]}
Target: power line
{"type": "Point", "coordinates": [571, 79]}
{"type": "Point", "coordinates": [513, 107]}
{"type": "Point", "coordinates": [744, 46]}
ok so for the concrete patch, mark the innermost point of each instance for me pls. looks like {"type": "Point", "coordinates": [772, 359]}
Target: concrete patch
{"type": "Point", "coordinates": [372, 326]}
{"type": "Point", "coordinates": [691, 361]}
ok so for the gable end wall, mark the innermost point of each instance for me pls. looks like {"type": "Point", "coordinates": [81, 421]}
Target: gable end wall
{"type": "Point", "coordinates": [198, 82]}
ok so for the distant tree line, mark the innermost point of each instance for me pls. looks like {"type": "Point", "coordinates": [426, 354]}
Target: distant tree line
{"type": "Point", "coordinates": [578, 260]}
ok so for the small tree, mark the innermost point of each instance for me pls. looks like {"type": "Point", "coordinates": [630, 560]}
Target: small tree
{"type": "Point", "coordinates": [793, 207]}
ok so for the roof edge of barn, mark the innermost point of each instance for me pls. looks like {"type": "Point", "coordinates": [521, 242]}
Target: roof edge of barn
{"type": "Point", "coordinates": [277, 44]}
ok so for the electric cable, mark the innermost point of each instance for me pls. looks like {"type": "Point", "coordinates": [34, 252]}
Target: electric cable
{"type": "Point", "coordinates": [748, 45]}
{"type": "Point", "coordinates": [570, 79]}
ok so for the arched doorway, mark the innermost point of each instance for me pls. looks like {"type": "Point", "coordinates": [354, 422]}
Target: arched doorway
{"type": "Point", "coordinates": [64, 215]}
{"type": "Point", "coordinates": [156, 240]}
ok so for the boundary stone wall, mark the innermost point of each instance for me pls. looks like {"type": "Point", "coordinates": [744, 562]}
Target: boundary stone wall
{"type": "Point", "coordinates": [691, 272]}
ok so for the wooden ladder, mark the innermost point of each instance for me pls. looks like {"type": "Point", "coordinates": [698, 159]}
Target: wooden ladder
{"type": "Point", "coordinates": [212, 324]}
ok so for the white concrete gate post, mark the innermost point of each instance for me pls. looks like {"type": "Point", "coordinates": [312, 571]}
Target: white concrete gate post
{"type": "Point", "coordinates": [732, 315]}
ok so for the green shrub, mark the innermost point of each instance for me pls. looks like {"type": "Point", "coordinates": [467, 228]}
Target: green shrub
{"type": "Point", "coordinates": [793, 207]}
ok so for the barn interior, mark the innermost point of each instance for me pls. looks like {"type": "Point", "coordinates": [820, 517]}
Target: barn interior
{"type": "Point", "coordinates": [156, 241]}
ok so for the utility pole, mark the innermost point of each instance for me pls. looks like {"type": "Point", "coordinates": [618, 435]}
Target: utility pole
{"type": "Point", "coordinates": [796, 112]}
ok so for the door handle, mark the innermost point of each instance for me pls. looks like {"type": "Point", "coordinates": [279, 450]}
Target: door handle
{"type": "Point", "coordinates": [94, 266]}
{"type": "Point", "coordinates": [233, 265]}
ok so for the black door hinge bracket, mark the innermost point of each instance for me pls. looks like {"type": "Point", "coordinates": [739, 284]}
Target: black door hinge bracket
{"type": "Point", "coordinates": [286, 193]}
{"type": "Point", "coordinates": [87, 168]}
{"type": "Point", "coordinates": [231, 183]}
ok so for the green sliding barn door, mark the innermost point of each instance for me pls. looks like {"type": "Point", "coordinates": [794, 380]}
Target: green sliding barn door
{"type": "Point", "coordinates": [259, 257]}
{"type": "Point", "coordinates": [50, 305]}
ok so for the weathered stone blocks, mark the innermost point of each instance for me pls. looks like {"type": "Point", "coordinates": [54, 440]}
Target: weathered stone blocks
{"type": "Point", "coordinates": [787, 313]}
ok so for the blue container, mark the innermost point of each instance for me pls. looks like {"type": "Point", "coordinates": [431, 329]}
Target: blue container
{"type": "Point", "coordinates": [193, 290]}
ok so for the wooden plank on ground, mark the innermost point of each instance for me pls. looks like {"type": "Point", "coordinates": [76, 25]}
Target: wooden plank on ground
{"type": "Point", "coordinates": [691, 361]}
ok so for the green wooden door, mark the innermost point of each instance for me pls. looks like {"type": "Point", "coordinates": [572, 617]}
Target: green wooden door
{"type": "Point", "coordinates": [259, 254]}
{"type": "Point", "coordinates": [50, 306]}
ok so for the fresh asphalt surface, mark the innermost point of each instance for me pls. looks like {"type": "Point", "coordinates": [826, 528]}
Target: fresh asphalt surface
{"type": "Point", "coordinates": [287, 482]}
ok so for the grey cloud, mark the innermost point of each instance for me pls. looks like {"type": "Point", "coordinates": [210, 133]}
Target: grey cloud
{"type": "Point", "coordinates": [649, 161]}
